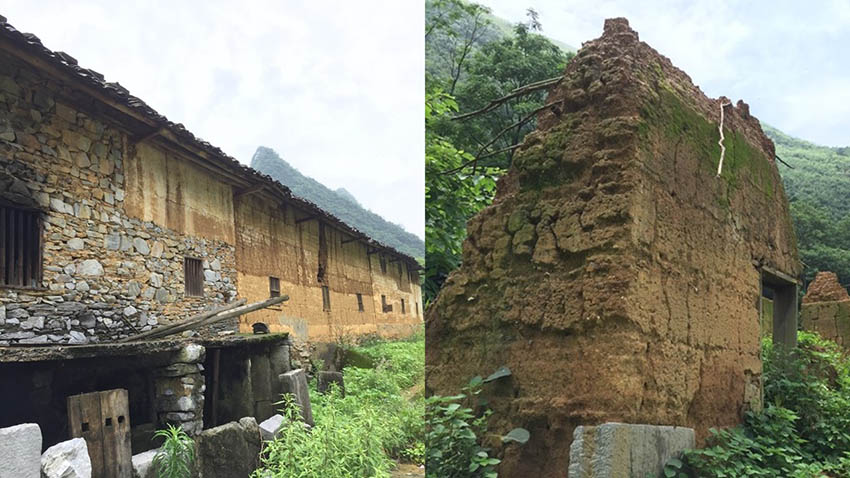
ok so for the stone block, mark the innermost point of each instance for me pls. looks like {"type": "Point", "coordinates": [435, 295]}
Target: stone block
{"type": "Point", "coordinates": [270, 427]}
{"type": "Point", "coordinates": [67, 459]}
{"type": "Point", "coordinates": [143, 465]}
{"type": "Point", "coordinates": [620, 450]}
{"type": "Point", "coordinates": [20, 451]}
{"type": "Point", "coordinates": [231, 450]}
{"type": "Point", "coordinates": [325, 379]}
{"type": "Point", "coordinates": [295, 382]}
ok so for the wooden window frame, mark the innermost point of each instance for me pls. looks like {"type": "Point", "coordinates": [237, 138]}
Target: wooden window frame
{"type": "Point", "coordinates": [326, 298]}
{"type": "Point", "coordinates": [360, 307]}
{"type": "Point", "coordinates": [21, 247]}
{"type": "Point", "coordinates": [274, 286]}
{"type": "Point", "coordinates": [197, 267]}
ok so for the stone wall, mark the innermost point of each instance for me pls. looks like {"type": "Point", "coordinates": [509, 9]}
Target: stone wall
{"type": "Point", "coordinates": [615, 275]}
{"type": "Point", "coordinates": [106, 273]}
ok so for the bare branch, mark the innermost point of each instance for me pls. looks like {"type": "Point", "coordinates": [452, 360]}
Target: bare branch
{"type": "Point", "coordinates": [523, 90]}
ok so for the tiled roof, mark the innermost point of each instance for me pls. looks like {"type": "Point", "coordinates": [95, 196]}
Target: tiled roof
{"type": "Point", "coordinates": [114, 91]}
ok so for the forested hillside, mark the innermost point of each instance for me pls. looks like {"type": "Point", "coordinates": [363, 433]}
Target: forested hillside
{"type": "Point", "coordinates": [340, 203]}
{"type": "Point", "coordinates": [818, 188]}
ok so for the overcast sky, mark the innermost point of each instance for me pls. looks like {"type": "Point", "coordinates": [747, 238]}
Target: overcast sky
{"type": "Point", "coordinates": [335, 87]}
{"type": "Point", "coordinates": [790, 60]}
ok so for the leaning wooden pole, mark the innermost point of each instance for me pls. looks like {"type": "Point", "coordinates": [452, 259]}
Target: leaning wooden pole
{"type": "Point", "coordinates": [194, 318]}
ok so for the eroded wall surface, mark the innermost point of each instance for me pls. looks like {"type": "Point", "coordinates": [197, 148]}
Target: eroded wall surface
{"type": "Point", "coordinates": [614, 274]}
{"type": "Point", "coordinates": [826, 309]}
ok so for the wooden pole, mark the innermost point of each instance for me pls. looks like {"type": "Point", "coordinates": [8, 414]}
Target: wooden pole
{"type": "Point", "coordinates": [201, 316]}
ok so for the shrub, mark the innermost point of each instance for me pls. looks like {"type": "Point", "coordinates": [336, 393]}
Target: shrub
{"type": "Point", "coordinates": [175, 456]}
{"type": "Point", "coordinates": [452, 437]}
{"type": "Point", "coordinates": [804, 429]}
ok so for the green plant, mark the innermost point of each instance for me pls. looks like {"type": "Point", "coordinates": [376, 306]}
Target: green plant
{"type": "Point", "coordinates": [804, 429]}
{"type": "Point", "coordinates": [175, 456]}
{"type": "Point", "coordinates": [453, 434]}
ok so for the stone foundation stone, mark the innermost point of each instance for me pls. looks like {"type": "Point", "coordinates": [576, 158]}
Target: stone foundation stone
{"type": "Point", "coordinates": [20, 451]}
{"type": "Point", "coordinates": [67, 459]}
{"type": "Point", "coordinates": [621, 450]}
{"type": "Point", "coordinates": [295, 382]}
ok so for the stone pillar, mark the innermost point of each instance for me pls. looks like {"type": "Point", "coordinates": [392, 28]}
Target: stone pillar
{"type": "Point", "coordinates": [279, 363]}
{"type": "Point", "coordinates": [261, 382]}
{"type": "Point", "coordinates": [179, 389]}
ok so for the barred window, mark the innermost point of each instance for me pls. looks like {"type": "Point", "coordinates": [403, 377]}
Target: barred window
{"type": "Point", "coordinates": [274, 287]}
{"type": "Point", "coordinates": [193, 276]}
{"type": "Point", "coordinates": [20, 247]}
{"type": "Point", "coordinates": [360, 302]}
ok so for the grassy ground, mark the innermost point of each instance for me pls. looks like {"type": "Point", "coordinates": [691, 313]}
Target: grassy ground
{"type": "Point", "coordinates": [378, 423]}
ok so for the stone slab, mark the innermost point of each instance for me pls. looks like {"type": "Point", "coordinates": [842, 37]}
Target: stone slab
{"type": "Point", "coordinates": [325, 379]}
{"type": "Point", "coordinates": [143, 465]}
{"type": "Point", "coordinates": [231, 450]}
{"type": "Point", "coordinates": [295, 383]}
{"type": "Point", "coordinates": [20, 451]}
{"type": "Point", "coordinates": [67, 459]}
{"type": "Point", "coordinates": [621, 450]}
{"type": "Point", "coordinates": [270, 427]}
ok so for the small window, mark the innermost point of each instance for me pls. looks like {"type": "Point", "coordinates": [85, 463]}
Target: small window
{"type": "Point", "coordinates": [326, 298]}
{"type": "Point", "coordinates": [193, 276]}
{"type": "Point", "coordinates": [360, 302]}
{"type": "Point", "coordinates": [274, 287]}
{"type": "Point", "coordinates": [402, 306]}
{"type": "Point", "coordinates": [383, 264]}
{"type": "Point", "coordinates": [416, 308]}
{"type": "Point", "coordinates": [384, 306]}
{"type": "Point", "coordinates": [20, 247]}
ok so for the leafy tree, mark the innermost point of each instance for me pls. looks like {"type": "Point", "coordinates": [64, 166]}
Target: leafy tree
{"type": "Point", "coordinates": [453, 28]}
{"type": "Point", "coordinates": [450, 199]}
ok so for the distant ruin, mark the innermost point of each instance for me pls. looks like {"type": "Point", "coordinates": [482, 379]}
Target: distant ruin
{"type": "Point", "coordinates": [615, 274]}
{"type": "Point", "coordinates": [826, 309]}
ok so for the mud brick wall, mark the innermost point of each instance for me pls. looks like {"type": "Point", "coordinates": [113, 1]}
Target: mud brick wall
{"type": "Point", "coordinates": [104, 269]}
{"type": "Point", "coordinates": [826, 309]}
{"type": "Point", "coordinates": [614, 274]}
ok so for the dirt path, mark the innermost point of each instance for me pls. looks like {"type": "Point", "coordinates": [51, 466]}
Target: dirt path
{"type": "Point", "coordinates": [409, 471]}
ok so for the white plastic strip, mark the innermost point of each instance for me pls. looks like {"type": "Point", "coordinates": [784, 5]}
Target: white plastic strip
{"type": "Point", "coordinates": [722, 148]}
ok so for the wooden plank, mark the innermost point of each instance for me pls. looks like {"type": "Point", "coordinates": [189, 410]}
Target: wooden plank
{"type": "Point", "coordinates": [115, 412]}
{"type": "Point", "coordinates": [26, 249]}
{"type": "Point", "coordinates": [40, 249]}
{"type": "Point", "coordinates": [19, 246]}
{"type": "Point", "coordinates": [84, 419]}
{"type": "Point", "coordinates": [4, 228]}
{"type": "Point", "coordinates": [215, 374]}
{"type": "Point", "coordinates": [194, 318]}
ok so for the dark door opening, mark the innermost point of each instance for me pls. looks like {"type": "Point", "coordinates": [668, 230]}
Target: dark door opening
{"type": "Point", "coordinates": [782, 290]}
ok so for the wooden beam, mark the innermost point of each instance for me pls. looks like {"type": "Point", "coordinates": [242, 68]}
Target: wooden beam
{"type": "Point", "coordinates": [305, 219]}
{"type": "Point", "coordinates": [201, 316]}
{"type": "Point", "coordinates": [346, 241]}
{"type": "Point", "coordinates": [249, 190]}
{"type": "Point", "coordinates": [394, 259]}
{"type": "Point", "coordinates": [370, 252]}
{"type": "Point", "coordinates": [147, 136]}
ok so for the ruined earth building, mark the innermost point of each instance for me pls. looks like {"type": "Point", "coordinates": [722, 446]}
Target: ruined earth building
{"type": "Point", "coordinates": [615, 275]}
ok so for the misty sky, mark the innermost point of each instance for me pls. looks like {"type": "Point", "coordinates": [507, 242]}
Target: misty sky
{"type": "Point", "coordinates": [335, 87]}
{"type": "Point", "coordinates": [788, 59]}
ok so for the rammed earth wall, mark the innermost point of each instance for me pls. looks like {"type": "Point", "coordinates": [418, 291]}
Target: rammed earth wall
{"type": "Point", "coordinates": [614, 274]}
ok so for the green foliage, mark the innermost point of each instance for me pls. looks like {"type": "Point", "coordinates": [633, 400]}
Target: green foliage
{"type": "Point", "coordinates": [472, 58]}
{"type": "Point", "coordinates": [358, 435]}
{"type": "Point", "coordinates": [817, 189]}
{"type": "Point", "coordinates": [452, 435]}
{"type": "Point", "coordinates": [450, 199]}
{"type": "Point", "coordinates": [174, 458]}
{"type": "Point", "coordinates": [804, 430]}
{"type": "Point", "coordinates": [340, 203]}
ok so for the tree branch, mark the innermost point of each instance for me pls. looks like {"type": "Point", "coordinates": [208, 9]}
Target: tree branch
{"type": "Point", "coordinates": [523, 90]}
